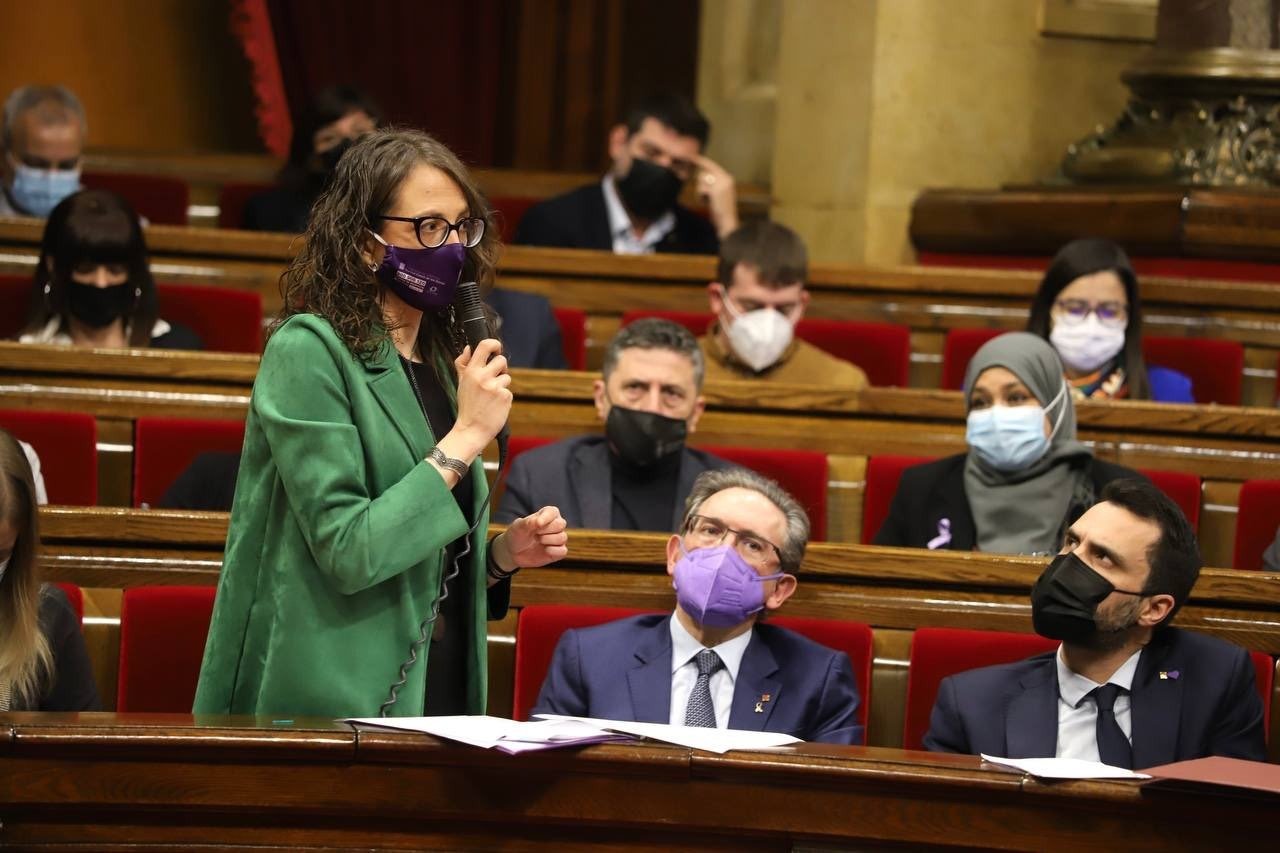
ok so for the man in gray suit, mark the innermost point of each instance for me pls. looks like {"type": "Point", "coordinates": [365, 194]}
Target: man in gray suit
{"type": "Point", "coordinates": [637, 475]}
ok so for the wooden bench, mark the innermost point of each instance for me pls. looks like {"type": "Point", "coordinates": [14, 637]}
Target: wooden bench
{"type": "Point", "coordinates": [929, 300]}
{"type": "Point", "coordinates": [1223, 445]}
{"type": "Point", "coordinates": [895, 590]}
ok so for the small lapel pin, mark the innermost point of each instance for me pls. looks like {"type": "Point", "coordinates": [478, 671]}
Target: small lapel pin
{"type": "Point", "coordinates": [764, 697]}
{"type": "Point", "coordinates": [759, 707]}
{"type": "Point", "coordinates": [944, 535]}
{"type": "Point", "coordinates": [1171, 674]}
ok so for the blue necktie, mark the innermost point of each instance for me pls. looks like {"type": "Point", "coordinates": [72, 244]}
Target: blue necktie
{"type": "Point", "coordinates": [700, 711]}
{"type": "Point", "coordinates": [1113, 746]}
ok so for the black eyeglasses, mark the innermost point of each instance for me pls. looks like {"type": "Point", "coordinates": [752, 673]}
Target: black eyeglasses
{"type": "Point", "coordinates": [433, 231]}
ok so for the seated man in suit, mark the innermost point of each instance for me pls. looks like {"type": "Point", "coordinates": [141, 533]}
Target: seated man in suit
{"type": "Point", "coordinates": [636, 476]}
{"type": "Point", "coordinates": [633, 210]}
{"type": "Point", "coordinates": [714, 662]}
{"type": "Point", "coordinates": [757, 299]}
{"type": "Point", "coordinates": [528, 329]}
{"type": "Point", "coordinates": [1124, 687]}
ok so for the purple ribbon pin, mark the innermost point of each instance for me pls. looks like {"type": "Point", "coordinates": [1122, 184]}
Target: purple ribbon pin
{"type": "Point", "coordinates": [943, 537]}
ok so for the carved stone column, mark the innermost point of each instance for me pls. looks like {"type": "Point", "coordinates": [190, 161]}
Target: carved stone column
{"type": "Point", "coordinates": [1205, 105]}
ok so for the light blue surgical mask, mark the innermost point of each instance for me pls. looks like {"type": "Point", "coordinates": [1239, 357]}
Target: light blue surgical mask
{"type": "Point", "coordinates": [1011, 438]}
{"type": "Point", "coordinates": [38, 191]}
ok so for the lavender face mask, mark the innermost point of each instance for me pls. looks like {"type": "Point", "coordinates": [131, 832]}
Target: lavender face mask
{"type": "Point", "coordinates": [717, 588]}
{"type": "Point", "coordinates": [427, 279]}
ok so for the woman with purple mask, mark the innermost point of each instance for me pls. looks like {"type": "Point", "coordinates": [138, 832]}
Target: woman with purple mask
{"type": "Point", "coordinates": [357, 577]}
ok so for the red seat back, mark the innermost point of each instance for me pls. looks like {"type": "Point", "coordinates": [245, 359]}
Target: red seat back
{"type": "Point", "coordinates": [164, 447]}
{"type": "Point", "coordinates": [509, 210]}
{"type": "Point", "coordinates": [1183, 489]}
{"type": "Point", "coordinates": [883, 474]}
{"type": "Point", "coordinates": [803, 473]}
{"type": "Point", "coordinates": [573, 336]}
{"type": "Point", "coordinates": [162, 637]}
{"type": "Point", "coordinates": [939, 652]}
{"type": "Point", "coordinates": [853, 638]}
{"type": "Point", "coordinates": [1256, 522]}
{"type": "Point", "coordinates": [538, 629]}
{"type": "Point", "coordinates": [696, 322]}
{"type": "Point", "coordinates": [522, 443]}
{"type": "Point", "coordinates": [75, 597]}
{"type": "Point", "coordinates": [67, 444]}
{"type": "Point", "coordinates": [232, 198]}
{"type": "Point", "coordinates": [882, 350]}
{"type": "Point", "coordinates": [227, 319]}
{"type": "Point", "coordinates": [15, 300]}
{"type": "Point", "coordinates": [1216, 368]}
{"type": "Point", "coordinates": [1264, 670]}
{"type": "Point", "coordinates": [958, 350]}
{"type": "Point", "coordinates": [159, 200]}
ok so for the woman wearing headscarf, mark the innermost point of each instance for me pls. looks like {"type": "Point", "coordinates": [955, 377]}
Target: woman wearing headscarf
{"type": "Point", "coordinates": [1026, 477]}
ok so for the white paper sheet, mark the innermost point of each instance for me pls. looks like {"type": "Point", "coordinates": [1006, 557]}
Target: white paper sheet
{"type": "Point", "coordinates": [1065, 768]}
{"type": "Point", "coordinates": [509, 736]}
{"type": "Point", "coordinates": [711, 740]}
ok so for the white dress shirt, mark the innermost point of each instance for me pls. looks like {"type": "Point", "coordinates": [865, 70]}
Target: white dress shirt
{"type": "Point", "coordinates": [625, 241]}
{"type": "Point", "coordinates": [684, 672]}
{"type": "Point", "coordinates": [1078, 716]}
{"type": "Point", "coordinates": [53, 333]}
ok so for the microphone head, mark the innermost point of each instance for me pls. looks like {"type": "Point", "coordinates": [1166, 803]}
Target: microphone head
{"type": "Point", "coordinates": [467, 301]}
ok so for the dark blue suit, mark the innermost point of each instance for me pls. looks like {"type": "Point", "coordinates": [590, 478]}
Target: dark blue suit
{"type": "Point", "coordinates": [622, 671]}
{"type": "Point", "coordinates": [1207, 704]}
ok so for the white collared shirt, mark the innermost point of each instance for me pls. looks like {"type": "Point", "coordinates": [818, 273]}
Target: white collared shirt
{"type": "Point", "coordinates": [1078, 716]}
{"type": "Point", "coordinates": [684, 672]}
{"type": "Point", "coordinates": [625, 241]}
{"type": "Point", "coordinates": [53, 333]}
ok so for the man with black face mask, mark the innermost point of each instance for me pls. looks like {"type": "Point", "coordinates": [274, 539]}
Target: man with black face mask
{"type": "Point", "coordinates": [637, 475]}
{"type": "Point", "coordinates": [1124, 688]}
{"type": "Point", "coordinates": [633, 210]}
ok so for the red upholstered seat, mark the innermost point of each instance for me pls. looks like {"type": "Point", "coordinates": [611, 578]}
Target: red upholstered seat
{"type": "Point", "coordinates": [803, 473]}
{"type": "Point", "coordinates": [958, 350]}
{"type": "Point", "coordinates": [232, 198]}
{"type": "Point", "coordinates": [1184, 489]}
{"type": "Point", "coordinates": [75, 597]}
{"type": "Point", "coordinates": [162, 636]}
{"type": "Point", "coordinates": [853, 638]}
{"type": "Point", "coordinates": [159, 200]}
{"type": "Point", "coordinates": [164, 447]}
{"type": "Point", "coordinates": [227, 319]}
{"type": "Point", "coordinates": [883, 474]}
{"type": "Point", "coordinates": [573, 336]}
{"type": "Point", "coordinates": [939, 652]}
{"type": "Point", "coordinates": [1256, 523]}
{"type": "Point", "coordinates": [1216, 368]}
{"type": "Point", "coordinates": [67, 444]}
{"type": "Point", "coordinates": [537, 631]}
{"type": "Point", "coordinates": [15, 299]}
{"type": "Point", "coordinates": [522, 443]}
{"type": "Point", "coordinates": [509, 210]}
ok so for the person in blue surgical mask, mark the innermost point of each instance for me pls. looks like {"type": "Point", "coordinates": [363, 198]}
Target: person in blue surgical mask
{"type": "Point", "coordinates": [1025, 479]}
{"type": "Point", "coordinates": [43, 136]}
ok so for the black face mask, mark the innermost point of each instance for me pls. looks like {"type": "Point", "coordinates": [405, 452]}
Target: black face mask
{"type": "Point", "coordinates": [99, 307]}
{"type": "Point", "coordinates": [1065, 599]}
{"type": "Point", "coordinates": [648, 190]}
{"type": "Point", "coordinates": [644, 438]}
{"type": "Point", "coordinates": [330, 156]}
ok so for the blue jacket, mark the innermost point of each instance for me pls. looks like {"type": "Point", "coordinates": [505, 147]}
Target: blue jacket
{"type": "Point", "coordinates": [1193, 696]}
{"type": "Point", "coordinates": [622, 671]}
{"type": "Point", "coordinates": [1169, 386]}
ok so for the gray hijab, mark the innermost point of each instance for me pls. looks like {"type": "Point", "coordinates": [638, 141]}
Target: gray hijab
{"type": "Point", "coordinates": [1022, 512]}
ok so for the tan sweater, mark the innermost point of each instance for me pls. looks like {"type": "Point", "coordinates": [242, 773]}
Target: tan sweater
{"type": "Point", "coordinates": [801, 364]}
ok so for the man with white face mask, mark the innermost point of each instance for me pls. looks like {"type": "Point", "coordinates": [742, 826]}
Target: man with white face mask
{"type": "Point", "coordinates": [757, 299]}
{"type": "Point", "coordinates": [44, 132]}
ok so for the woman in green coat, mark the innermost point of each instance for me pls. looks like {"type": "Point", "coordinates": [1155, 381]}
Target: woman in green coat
{"type": "Point", "coordinates": [357, 580]}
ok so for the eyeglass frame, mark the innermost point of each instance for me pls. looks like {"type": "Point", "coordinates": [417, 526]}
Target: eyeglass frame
{"type": "Point", "coordinates": [738, 536]}
{"type": "Point", "coordinates": [452, 227]}
{"type": "Point", "coordinates": [1059, 309]}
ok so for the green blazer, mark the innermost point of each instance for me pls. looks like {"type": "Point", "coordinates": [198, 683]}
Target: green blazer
{"type": "Point", "coordinates": [336, 543]}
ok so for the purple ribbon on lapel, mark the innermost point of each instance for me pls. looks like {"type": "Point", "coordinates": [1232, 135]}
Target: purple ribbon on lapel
{"type": "Point", "coordinates": [943, 537]}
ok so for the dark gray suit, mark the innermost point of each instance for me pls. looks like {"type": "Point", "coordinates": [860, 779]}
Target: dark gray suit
{"type": "Point", "coordinates": [575, 475]}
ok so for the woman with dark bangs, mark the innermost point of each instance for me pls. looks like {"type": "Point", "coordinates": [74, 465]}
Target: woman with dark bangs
{"type": "Point", "coordinates": [93, 285]}
{"type": "Point", "coordinates": [43, 662]}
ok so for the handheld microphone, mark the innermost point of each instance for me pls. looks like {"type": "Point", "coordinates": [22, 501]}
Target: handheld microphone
{"type": "Point", "coordinates": [475, 326]}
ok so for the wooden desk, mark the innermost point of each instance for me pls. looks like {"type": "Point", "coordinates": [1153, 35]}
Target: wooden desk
{"type": "Point", "coordinates": [147, 782]}
{"type": "Point", "coordinates": [1224, 445]}
{"type": "Point", "coordinates": [929, 300]}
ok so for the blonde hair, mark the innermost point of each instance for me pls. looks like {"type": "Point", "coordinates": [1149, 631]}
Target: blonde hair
{"type": "Point", "coordinates": [25, 659]}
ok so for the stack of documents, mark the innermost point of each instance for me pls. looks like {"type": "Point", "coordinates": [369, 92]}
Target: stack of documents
{"type": "Point", "coordinates": [1064, 768]}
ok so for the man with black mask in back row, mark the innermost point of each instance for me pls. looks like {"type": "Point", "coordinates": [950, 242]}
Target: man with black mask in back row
{"type": "Point", "coordinates": [655, 152]}
{"type": "Point", "coordinates": [1124, 687]}
{"type": "Point", "coordinates": [637, 475]}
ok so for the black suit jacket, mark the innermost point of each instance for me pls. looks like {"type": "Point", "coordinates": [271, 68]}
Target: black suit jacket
{"type": "Point", "coordinates": [579, 220]}
{"type": "Point", "coordinates": [1205, 704]}
{"type": "Point", "coordinates": [530, 333]}
{"type": "Point", "coordinates": [933, 491]}
{"type": "Point", "coordinates": [575, 475]}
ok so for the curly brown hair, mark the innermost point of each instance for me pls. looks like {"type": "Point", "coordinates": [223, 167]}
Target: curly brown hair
{"type": "Point", "coordinates": [330, 276]}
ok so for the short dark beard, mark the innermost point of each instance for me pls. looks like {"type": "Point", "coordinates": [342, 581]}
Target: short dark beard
{"type": "Point", "coordinates": [1113, 636]}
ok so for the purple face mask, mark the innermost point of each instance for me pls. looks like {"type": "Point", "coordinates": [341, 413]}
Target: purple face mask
{"type": "Point", "coordinates": [717, 588]}
{"type": "Point", "coordinates": [427, 279]}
